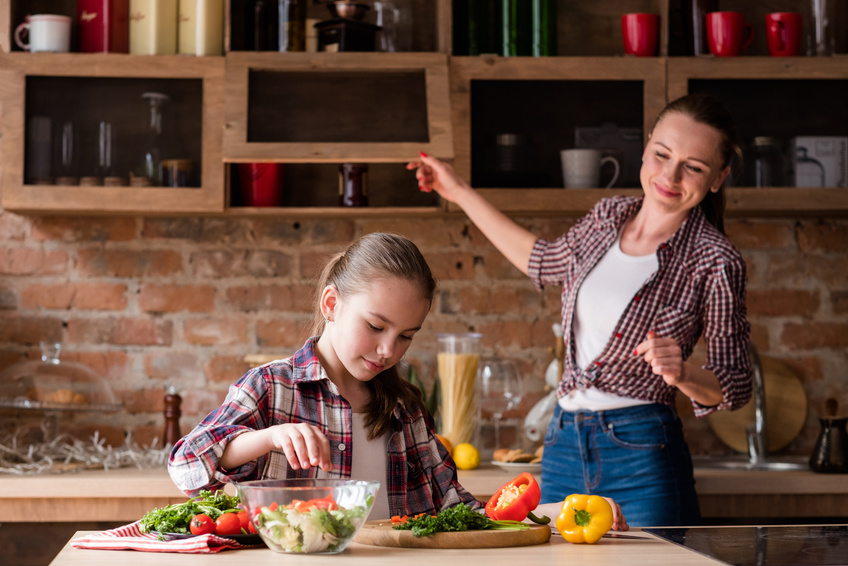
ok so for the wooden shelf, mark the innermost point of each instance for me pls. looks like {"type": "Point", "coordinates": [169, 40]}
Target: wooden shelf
{"type": "Point", "coordinates": [781, 201]}
{"type": "Point", "coordinates": [18, 197]}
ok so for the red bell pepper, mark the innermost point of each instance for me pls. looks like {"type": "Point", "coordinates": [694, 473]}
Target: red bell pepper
{"type": "Point", "coordinates": [516, 500]}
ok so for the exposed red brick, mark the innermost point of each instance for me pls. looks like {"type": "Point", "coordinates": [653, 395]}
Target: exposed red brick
{"type": "Point", "coordinates": [209, 230]}
{"type": "Point", "coordinates": [839, 300]}
{"type": "Point", "coordinates": [101, 296]}
{"type": "Point", "coordinates": [782, 302]}
{"type": "Point", "coordinates": [424, 233]}
{"type": "Point", "coordinates": [215, 332]}
{"type": "Point", "coordinates": [225, 369]}
{"type": "Point", "coordinates": [297, 298]}
{"type": "Point", "coordinates": [823, 237]}
{"type": "Point", "coordinates": [798, 270]}
{"type": "Point", "coordinates": [128, 263]}
{"type": "Point", "coordinates": [197, 403]}
{"type": "Point", "coordinates": [25, 261]}
{"type": "Point", "coordinates": [176, 298]}
{"type": "Point", "coordinates": [151, 436]}
{"type": "Point", "coordinates": [814, 335]}
{"type": "Point", "coordinates": [8, 296]}
{"type": "Point", "coordinates": [451, 265]}
{"type": "Point", "coordinates": [218, 264]}
{"type": "Point", "coordinates": [136, 401]}
{"type": "Point", "coordinates": [508, 334]}
{"type": "Point", "coordinates": [120, 331]}
{"type": "Point", "coordinates": [304, 232]}
{"type": "Point", "coordinates": [51, 297]}
{"type": "Point", "coordinates": [83, 229]}
{"type": "Point", "coordinates": [249, 298]}
{"type": "Point", "coordinates": [312, 262]}
{"type": "Point", "coordinates": [20, 329]}
{"type": "Point", "coordinates": [497, 267]}
{"type": "Point", "coordinates": [464, 300]}
{"type": "Point", "coordinates": [761, 235]}
{"type": "Point", "coordinates": [111, 365]}
{"type": "Point", "coordinates": [171, 366]}
{"type": "Point", "coordinates": [281, 333]}
{"type": "Point", "coordinates": [13, 227]}
{"type": "Point", "coordinates": [760, 336]}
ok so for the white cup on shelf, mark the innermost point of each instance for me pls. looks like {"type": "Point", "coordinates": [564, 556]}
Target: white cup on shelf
{"type": "Point", "coordinates": [49, 33]}
{"type": "Point", "coordinates": [581, 168]}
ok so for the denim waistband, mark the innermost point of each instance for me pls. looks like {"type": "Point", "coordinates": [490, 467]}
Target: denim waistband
{"type": "Point", "coordinates": [614, 415]}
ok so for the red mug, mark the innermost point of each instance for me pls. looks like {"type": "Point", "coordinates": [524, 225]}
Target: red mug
{"type": "Point", "coordinates": [639, 32]}
{"type": "Point", "coordinates": [726, 33]}
{"type": "Point", "coordinates": [103, 26]}
{"type": "Point", "coordinates": [783, 34]}
{"type": "Point", "coordinates": [261, 183]}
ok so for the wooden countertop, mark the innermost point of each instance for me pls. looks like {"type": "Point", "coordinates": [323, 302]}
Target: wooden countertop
{"type": "Point", "coordinates": [607, 552]}
{"type": "Point", "coordinates": [126, 494]}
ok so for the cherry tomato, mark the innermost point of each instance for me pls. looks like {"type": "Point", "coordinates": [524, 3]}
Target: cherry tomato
{"type": "Point", "coordinates": [244, 520]}
{"type": "Point", "coordinates": [228, 524]}
{"type": "Point", "coordinates": [201, 525]}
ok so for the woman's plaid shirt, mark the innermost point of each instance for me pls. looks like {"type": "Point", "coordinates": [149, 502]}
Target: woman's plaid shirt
{"type": "Point", "coordinates": [698, 289]}
{"type": "Point", "coordinates": [421, 474]}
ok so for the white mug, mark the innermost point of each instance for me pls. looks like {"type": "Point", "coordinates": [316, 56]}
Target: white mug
{"type": "Point", "coordinates": [581, 168]}
{"type": "Point", "coordinates": [45, 32]}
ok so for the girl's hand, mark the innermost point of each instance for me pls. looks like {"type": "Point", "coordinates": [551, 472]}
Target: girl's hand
{"type": "Point", "coordinates": [303, 444]}
{"type": "Point", "coordinates": [434, 174]}
{"type": "Point", "coordinates": [619, 523]}
{"type": "Point", "coordinates": [665, 358]}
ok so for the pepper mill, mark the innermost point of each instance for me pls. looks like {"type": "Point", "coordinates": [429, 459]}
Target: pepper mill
{"type": "Point", "coordinates": [172, 416]}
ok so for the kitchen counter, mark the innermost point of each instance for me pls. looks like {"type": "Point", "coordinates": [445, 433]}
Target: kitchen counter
{"type": "Point", "coordinates": [607, 552]}
{"type": "Point", "coordinates": [125, 494]}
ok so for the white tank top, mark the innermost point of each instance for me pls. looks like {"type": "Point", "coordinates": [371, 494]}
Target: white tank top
{"type": "Point", "coordinates": [369, 462]}
{"type": "Point", "coordinates": [601, 300]}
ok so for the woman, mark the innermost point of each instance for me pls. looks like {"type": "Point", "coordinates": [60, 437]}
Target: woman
{"type": "Point", "coordinates": [643, 278]}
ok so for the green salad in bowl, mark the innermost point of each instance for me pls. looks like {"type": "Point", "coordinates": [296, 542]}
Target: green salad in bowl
{"type": "Point", "coordinates": [307, 516]}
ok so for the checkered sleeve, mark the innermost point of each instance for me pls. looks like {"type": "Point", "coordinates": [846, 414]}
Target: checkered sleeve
{"type": "Point", "coordinates": [727, 334]}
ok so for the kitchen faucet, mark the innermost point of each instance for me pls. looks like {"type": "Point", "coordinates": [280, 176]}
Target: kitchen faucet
{"type": "Point", "coordinates": [756, 433]}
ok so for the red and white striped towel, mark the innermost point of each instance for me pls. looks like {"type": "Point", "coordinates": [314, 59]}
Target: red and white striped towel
{"type": "Point", "coordinates": [130, 537]}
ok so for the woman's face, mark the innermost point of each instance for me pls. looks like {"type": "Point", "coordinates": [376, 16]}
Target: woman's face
{"type": "Point", "coordinates": [372, 330]}
{"type": "Point", "coordinates": [681, 162]}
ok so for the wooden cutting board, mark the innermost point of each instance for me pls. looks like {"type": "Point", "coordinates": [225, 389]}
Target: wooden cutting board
{"type": "Point", "coordinates": [786, 410]}
{"type": "Point", "coordinates": [381, 533]}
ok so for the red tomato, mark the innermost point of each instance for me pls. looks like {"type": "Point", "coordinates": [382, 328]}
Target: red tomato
{"type": "Point", "coordinates": [228, 524]}
{"type": "Point", "coordinates": [244, 520]}
{"type": "Point", "coordinates": [201, 525]}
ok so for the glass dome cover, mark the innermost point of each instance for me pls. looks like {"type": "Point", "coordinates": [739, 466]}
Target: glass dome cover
{"type": "Point", "coordinates": [51, 384]}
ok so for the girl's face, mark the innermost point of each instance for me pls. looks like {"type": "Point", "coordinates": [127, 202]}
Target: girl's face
{"type": "Point", "coordinates": [681, 162]}
{"type": "Point", "coordinates": [372, 330]}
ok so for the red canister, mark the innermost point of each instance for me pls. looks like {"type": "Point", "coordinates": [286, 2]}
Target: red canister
{"type": "Point", "coordinates": [103, 26]}
{"type": "Point", "coordinates": [261, 184]}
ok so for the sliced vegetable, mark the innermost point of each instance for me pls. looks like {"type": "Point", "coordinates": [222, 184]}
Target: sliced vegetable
{"type": "Point", "coordinates": [584, 518]}
{"type": "Point", "coordinates": [516, 500]}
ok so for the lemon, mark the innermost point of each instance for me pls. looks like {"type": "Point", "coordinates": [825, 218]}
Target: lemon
{"type": "Point", "coordinates": [446, 442]}
{"type": "Point", "coordinates": [466, 456]}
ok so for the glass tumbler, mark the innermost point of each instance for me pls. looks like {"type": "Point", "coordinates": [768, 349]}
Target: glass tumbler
{"type": "Point", "coordinates": [458, 361]}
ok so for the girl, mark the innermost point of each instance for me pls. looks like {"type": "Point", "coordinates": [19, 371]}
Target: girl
{"type": "Point", "coordinates": [643, 278]}
{"type": "Point", "coordinates": [338, 407]}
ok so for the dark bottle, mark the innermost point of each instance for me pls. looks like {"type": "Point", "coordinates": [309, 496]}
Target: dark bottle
{"type": "Point", "coordinates": [352, 184]}
{"type": "Point", "coordinates": [260, 30]}
{"type": "Point", "coordinates": [514, 36]}
{"type": "Point", "coordinates": [695, 25]}
{"type": "Point", "coordinates": [292, 25]}
{"type": "Point", "coordinates": [765, 164]}
{"type": "Point", "coordinates": [172, 416]}
{"type": "Point", "coordinates": [460, 27]}
{"type": "Point", "coordinates": [484, 24]}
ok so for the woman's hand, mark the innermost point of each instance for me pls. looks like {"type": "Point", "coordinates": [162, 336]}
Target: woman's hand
{"type": "Point", "coordinates": [434, 174]}
{"type": "Point", "coordinates": [665, 358]}
{"type": "Point", "coordinates": [303, 444]}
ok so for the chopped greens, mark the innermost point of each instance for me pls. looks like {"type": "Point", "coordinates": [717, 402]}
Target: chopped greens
{"type": "Point", "coordinates": [176, 518]}
{"type": "Point", "coordinates": [458, 518]}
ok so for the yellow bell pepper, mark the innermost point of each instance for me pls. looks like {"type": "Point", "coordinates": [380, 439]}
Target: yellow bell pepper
{"type": "Point", "coordinates": [584, 518]}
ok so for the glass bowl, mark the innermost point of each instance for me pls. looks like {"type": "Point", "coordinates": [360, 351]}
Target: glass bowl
{"type": "Point", "coordinates": [307, 516]}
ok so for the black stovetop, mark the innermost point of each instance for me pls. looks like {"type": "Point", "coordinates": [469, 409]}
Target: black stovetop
{"type": "Point", "coordinates": [806, 545]}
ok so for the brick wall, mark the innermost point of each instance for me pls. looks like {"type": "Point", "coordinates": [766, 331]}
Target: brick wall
{"type": "Point", "coordinates": [147, 302]}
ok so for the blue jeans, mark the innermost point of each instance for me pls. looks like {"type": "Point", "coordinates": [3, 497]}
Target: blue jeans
{"type": "Point", "coordinates": [636, 455]}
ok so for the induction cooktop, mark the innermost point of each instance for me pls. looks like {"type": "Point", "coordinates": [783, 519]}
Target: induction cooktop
{"type": "Point", "coordinates": [805, 545]}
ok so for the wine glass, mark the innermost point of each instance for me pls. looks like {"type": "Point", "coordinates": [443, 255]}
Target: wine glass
{"type": "Point", "coordinates": [499, 390]}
